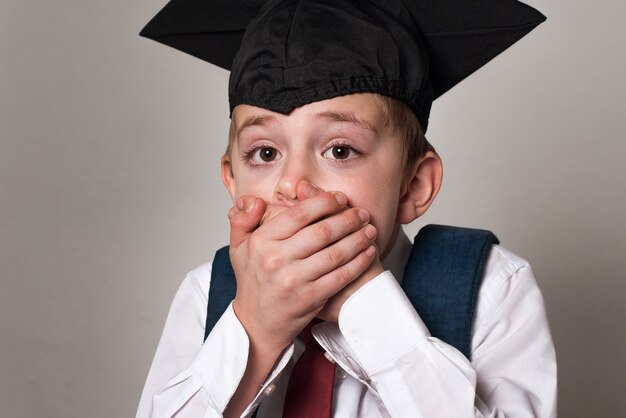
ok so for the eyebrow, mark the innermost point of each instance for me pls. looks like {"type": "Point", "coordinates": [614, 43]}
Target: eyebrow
{"type": "Point", "coordinates": [260, 120]}
{"type": "Point", "coordinates": [347, 117]}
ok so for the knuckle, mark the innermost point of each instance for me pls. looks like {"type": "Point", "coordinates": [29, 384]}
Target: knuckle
{"type": "Point", "coordinates": [352, 220]}
{"type": "Point", "coordinates": [289, 284]}
{"type": "Point", "coordinates": [330, 201]}
{"type": "Point", "coordinates": [343, 277]}
{"type": "Point", "coordinates": [271, 262]}
{"type": "Point", "coordinates": [335, 256]}
{"type": "Point", "coordinates": [297, 213]}
{"type": "Point", "coordinates": [360, 240]}
{"type": "Point", "coordinates": [322, 232]}
{"type": "Point", "coordinates": [327, 202]}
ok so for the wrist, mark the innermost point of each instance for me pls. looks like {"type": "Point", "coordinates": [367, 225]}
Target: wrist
{"type": "Point", "coordinates": [333, 305]}
{"type": "Point", "coordinates": [262, 341]}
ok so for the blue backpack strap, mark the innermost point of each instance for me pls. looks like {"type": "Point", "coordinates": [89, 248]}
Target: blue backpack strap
{"type": "Point", "coordinates": [222, 289]}
{"type": "Point", "coordinates": [441, 279]}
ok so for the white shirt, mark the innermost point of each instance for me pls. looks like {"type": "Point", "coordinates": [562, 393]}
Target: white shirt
{"type": "Point", "coordinates": [387, 364]}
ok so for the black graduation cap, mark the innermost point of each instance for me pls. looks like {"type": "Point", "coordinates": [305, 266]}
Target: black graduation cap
{"type": "Point", "coordinates": [286, 53]}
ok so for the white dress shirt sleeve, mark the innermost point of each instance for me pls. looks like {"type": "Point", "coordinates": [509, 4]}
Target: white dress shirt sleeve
{"type": "Point", "coordinates": [189, 378]}
{"type": "Point", "coordinates": [382, 342]}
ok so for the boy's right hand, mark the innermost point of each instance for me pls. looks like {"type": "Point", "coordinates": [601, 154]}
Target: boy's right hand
{"type": "Point", "coordinates": [290, 265]}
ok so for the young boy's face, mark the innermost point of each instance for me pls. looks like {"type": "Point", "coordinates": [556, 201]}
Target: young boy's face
{"type": "Point", "coordinates": [340, 144]}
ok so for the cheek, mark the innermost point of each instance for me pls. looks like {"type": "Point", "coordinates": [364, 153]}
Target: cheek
{"type": "Point", "coordinates": [254, 187]}
{"type": "Point", "coordinates": [247, 182]}
{"type": "Point", "coordinates": [250, 184]}
{"type": "Point", "coordinates": [384, 219]}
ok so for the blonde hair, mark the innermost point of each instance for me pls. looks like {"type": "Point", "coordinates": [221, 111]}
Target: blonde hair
{"type": "Point", "coordinates": [402, 121]}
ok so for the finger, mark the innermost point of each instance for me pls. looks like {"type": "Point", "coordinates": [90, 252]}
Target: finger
{"type": "Point", "coordinates": [270, 212]}
{"type": "Point", "coordinates": [339, 254]}
{"type": "Point", "coordinates": [305, 190]}
{"type": "Point", "coordinates": [323, 233]}
{"type": "Point", "coordinates": [333, 282]}
{"type": "Point", "coordinates": [244, 218]}
{"type": "Point", "coordinates": [293, 219]}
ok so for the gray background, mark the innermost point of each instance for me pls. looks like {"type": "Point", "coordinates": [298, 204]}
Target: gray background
{"type": "Point", "coordinates": [110, 193]}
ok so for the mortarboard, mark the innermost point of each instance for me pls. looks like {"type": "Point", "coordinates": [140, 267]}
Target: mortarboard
{"type": "Point", "coordinates": [283, 54]}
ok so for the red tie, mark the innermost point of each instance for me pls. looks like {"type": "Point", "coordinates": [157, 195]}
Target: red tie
{"type": "Point", "coordinates": [310, 389]}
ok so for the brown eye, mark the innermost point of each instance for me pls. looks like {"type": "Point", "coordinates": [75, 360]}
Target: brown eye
{"type": "Point", "coordinates": [262, 155]}
{"type": "Point", "coordinates": [267, 154]}
{"type": "Point", "coordinates": [340, 153]}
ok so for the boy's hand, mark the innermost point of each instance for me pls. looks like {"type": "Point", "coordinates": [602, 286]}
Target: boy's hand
{"type": "Point", "coordinates": [330, 311]}
{"type": "Point", "coordinates": [290, 266]}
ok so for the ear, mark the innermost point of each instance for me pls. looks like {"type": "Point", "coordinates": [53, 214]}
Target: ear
{"type": "Point", "coordinates": [227, 176]}
{"type": "Point", "coordinates": [420, 187]}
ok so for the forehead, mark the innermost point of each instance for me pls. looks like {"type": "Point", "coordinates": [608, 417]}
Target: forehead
{"type": "Point", "coordinates": [364, 109]}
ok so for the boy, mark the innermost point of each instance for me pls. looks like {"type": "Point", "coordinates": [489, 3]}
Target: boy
{"type": "Point", "coordinates": [326, 159]}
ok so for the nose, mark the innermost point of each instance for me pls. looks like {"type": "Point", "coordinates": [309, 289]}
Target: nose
{"type": "Point", "coordinates": [293, 171]}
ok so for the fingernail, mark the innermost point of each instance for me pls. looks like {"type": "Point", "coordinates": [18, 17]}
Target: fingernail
{"type": "Point", "coordinates": [239, 203]}
{"type": "Point", "coordinates": [310, 190]}
{"type": "Point", "coordinates": [371, 250]}
{"type": "Point", "coordinates": [363, 215]}
{"type": "Point", "coordinates": [370, 231]}
{"type": "Point", "coordinates": [250, 206]}
{"type": "Point", "coordinates": [341, 198]}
